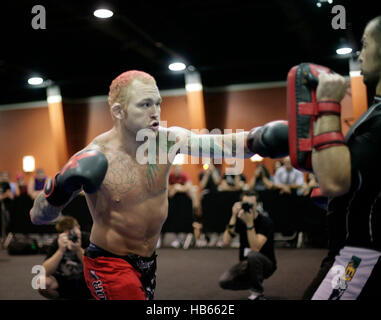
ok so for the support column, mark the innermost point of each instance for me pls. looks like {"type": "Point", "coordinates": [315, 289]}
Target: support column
{"type": "Point", "coordinates": [195, 99]}
{"type": "Point", "coordinates": [57, 124]}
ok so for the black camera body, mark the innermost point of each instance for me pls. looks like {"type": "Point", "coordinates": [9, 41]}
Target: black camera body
{"type": "Point", "coordinates": [72, 236]}
{"type": "Point", "coordinates": [246, 206]}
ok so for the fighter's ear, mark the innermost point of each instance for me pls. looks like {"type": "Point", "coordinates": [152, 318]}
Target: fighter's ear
{"type": "Point", "coordinates": [117, 111]}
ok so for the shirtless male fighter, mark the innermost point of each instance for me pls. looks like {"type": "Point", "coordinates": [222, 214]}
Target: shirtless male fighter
{"type": "Point", "coordinates": [128, 200]}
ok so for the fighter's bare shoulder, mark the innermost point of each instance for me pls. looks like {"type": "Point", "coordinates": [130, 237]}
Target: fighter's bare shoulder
{"type": "Point", "coordinates": [101, 143]}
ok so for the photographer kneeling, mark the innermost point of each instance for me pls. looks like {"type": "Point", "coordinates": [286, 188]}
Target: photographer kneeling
{"type": "Point", "coordinates": [256, 251]}
{"type": "Point", "coordinates": [64, 263]}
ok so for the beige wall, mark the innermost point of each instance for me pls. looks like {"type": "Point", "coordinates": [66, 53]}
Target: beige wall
{"type": "Point", "coordinates": [26, 132]}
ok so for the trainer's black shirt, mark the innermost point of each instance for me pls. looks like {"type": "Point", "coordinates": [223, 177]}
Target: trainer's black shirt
{"type": "Point", "coordinates": [354, 219]}
{"type": "Point", "coordinates": [262, 225]}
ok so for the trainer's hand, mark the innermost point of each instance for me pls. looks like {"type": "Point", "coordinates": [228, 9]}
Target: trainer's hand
{"type": "Point", "coordinates": [331, 87]}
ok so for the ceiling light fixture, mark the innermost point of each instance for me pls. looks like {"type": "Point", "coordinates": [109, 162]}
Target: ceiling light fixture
{"type": "Point", "coordinates": [177, 66]}
{"type": "Point", "coordinates": [344, 50]}
{"type": "Point", "coordinates": [256, 158]}
{"type": "Point", "coordinates": [103, 13]}
{"type": "Point", "coordinates": [35, 81]}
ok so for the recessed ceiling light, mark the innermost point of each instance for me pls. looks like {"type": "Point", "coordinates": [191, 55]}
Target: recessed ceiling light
{"type": "Point", "coordinates": [177, 66]}
{"type": "Point", "coordinates": [318, 4]}
{"type": "Point", "coordinates": [103, 13]}
{"type": "Point", "coordinates": [344, 50]}
{"type": "Point", "coordinates": [35, 81]}
{"type": "Point", "coordinates": [256, 158]}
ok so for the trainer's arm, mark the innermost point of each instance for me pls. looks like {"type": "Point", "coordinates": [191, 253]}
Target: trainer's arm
{"type": "Point", "coordinates": [332, 166]}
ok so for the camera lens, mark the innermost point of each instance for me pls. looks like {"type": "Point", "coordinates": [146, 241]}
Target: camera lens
{"type": "Point", "coordinates": [73, 236]}
{"type": "Point", "coordinates": [246, 206]}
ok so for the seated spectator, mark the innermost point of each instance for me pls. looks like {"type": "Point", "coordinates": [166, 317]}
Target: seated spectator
{"type": "Point", "coordinates": [21, 185]}
{"type": "Point", "coordinates": [256, 251]}
{"type": "Point", "coordinates": [5, 187]}
{"type": "Point", "coordinates": [277, 164]}
{"type": "Point", "coordinates": [287, 179]}
{"type": "Point", "coordinates": [64, 263]}
{"type": "Point", "coordinates": [232, 182]}
{"type": "Point", "coordinates": [37, 183]}
{"type": "Point", "coordinates": [261, 180]}
{"type": "Point", "coordinates": [14, 187]}
{"type": "Point", "coordinates": [210, 179]}
{"type": "Point", "coordinates": [6, 198]}
{"type": "Point", "coordinates": [309, 185]}
{"type": "Point", "coordinates": [180, 182]}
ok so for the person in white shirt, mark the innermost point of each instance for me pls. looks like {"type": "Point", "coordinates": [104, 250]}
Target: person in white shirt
{"type": "Point", "coordinates": [287, 178]}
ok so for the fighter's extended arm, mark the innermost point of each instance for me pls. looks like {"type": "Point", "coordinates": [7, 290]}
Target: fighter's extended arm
{"type": "Point", "coordinates": [270, 140]}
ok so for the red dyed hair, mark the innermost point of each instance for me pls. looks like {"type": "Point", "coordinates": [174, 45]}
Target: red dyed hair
{"type": "Point", "coordinates": [124, 80]}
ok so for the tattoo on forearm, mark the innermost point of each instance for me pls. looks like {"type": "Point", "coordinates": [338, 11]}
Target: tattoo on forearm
{"type": "Point", "coordinates": [43, 211]}
{"type": "Point", "coordinates": [215, 146]}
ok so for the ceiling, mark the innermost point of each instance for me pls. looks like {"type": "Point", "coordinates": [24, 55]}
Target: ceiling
{"type": "Point", "coordinates": [228, 41]}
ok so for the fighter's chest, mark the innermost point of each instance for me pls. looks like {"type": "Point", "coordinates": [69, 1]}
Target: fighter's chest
{"type": "Point", "coordinates": [128, 180]}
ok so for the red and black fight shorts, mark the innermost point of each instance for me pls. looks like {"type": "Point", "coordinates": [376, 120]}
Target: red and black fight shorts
{"type": "Point", "coordinates": [113, 277]}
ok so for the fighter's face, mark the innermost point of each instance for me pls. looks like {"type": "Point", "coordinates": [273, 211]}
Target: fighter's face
{"type": "Point", "coordinates": [370, 57]}
{"type": "Point", "coordinates": [142, 109]}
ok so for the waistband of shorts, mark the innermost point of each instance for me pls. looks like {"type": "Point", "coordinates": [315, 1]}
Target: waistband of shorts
{"type": "Point", "coordinates": [359, 250]}
{"type": "Point", "coordinates": [93, 251]}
